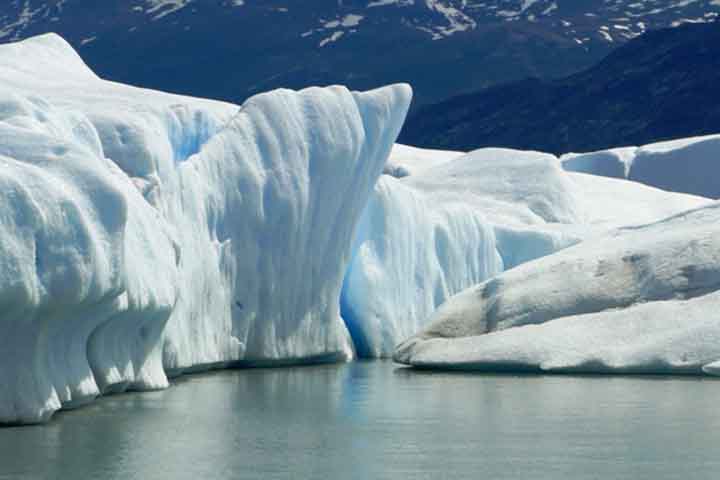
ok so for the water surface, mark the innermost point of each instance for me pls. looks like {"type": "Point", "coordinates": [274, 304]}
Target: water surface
{"type": "Point", "coordinates": [375, 420]}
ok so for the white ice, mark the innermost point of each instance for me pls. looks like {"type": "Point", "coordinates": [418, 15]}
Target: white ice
{"type": "Point", "coordinates": [639, 299]}
{"type": "Point", "coordinates": [405, 160]}
{"type": "Point", "coordinates": [410, 255]}
{"type": "Point", "coordinates": [677, 165]}
{"type": "Point", "coordinates": [143, 233]}
{"type": "Point", "coordinates": [431, 234]}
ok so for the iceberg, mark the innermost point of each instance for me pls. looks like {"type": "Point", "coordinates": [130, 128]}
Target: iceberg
{"type": "Point", "coordinates": [637, 300]}
{"type": "Point", "coordinates": [144, 234]}
{"type": "Point", "coordinates": [676, 165]}
{"type": "Point", "coordinates": [433, 233]}
{"type": "Point", "coordinates": [279, 193]}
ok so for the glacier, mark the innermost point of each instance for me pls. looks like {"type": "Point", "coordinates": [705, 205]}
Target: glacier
{"type": "Point", "coordinates": [677, 165]}
{"type": "Point", "coordinates": [639, 299]}
{"type": "Point", "coordinates": [435, 232]}
{"type": "Point", "coordinates": [144, 234]}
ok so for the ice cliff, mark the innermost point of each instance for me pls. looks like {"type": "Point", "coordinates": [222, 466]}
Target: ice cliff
{"type": "Point", "coordinates": [441, 229]}
{"type": "Point", "coordinates": [143, 233]}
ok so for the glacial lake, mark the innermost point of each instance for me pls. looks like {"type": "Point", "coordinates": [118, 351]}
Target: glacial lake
{"type": "Point", "coordinates": [377, 420]}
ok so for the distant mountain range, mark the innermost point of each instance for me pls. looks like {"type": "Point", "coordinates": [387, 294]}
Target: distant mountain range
{"type": "Point", "coordinates": [662, 85]}
{"type": "Point", "coordinates": [231, 49]}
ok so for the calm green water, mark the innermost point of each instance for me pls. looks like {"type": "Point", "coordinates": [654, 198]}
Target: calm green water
{"type": "Point", "coordinates": [373, 420]}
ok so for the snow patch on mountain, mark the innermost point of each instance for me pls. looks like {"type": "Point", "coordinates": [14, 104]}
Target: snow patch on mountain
{"type": "Point", "coordinates": [458, 20]}
{"type": "Point", "coordinates": [13, 27]}
{"type": "Point", "coordinates": [162, 8]}
{"type": "Point", "coordinates": [384, 3]}
{"type": "Point", "coordinates": [332, 38]}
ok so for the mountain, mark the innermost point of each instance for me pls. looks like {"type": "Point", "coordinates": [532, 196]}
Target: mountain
{"type": "Point", "coordinates": [662, 85]}
{"type": "Point", "coordinates": [231, 49]}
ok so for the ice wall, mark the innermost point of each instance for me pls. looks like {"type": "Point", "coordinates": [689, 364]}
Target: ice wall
{"type": "Point", "coordinates": [442, 229]}
{"type": "Point", "coordinates": [143, 232]}
{"type": "Point", "coordinates": [433, 233]}
{"type": "Point", "coordinates": [80, 254]}
{"type": "Point", "coordinates": [278, 193]}
{"type": "Point", "coordinates": [410, 256]}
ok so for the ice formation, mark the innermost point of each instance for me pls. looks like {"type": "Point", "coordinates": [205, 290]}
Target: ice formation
{"type": "Point", "coordinates": [283, 186]}
{"type": "Point", "coordinates": [410, 256]}
{"type": "Point", "coordinates": [431, 234]}
{"type": "Point", "coordinates": [639, 299]}
{"type": "Point", "coordinates": [677, 165]}
{"type": "Point", "coordinates": [142, 232]}
{"type": "Point", "coordinates": [405, 160]}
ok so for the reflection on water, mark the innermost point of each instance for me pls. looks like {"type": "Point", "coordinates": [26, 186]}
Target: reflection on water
{"type": "Point", "coordinates": [369, 420]}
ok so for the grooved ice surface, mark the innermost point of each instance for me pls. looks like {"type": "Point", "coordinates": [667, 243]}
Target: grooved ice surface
{"type": "Point", "coordinates": [142, 232]}
{"type": "Point", "coordinates": [440, 229]}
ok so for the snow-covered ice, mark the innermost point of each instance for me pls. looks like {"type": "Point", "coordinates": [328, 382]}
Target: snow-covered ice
{"type": "Point", "coordinates": [76, 253]}
{"type": "Point", "coordinates": [279, 192]}
{"type": "Point", "coordinates": [677, 165]}
{"type": "Point", "coordinates": [405, 160]}
{"type": "Point", "coordinates": [142, 232]}
{"type": "Point", "coordinates": [431, 234]}
{"type": "Point", "coordinates": [638, 299]}
{"type": "Point", "coordinates": [410, 255]}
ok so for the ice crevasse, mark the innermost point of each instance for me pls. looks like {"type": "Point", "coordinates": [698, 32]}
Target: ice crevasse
{"type": "Point", "coordinates": [143, 233]}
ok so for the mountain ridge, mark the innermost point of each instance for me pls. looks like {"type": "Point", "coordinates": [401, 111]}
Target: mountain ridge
{"type": "Point", "coordinates": [657, 87]}
{"type": "Point", "coordinates": [232, 49]}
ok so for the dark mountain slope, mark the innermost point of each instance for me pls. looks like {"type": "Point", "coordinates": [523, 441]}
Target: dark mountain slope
{"type": "Point", "coordinates": [231, 49]}
{"type": "Point", "coordinates": [664, 84]}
